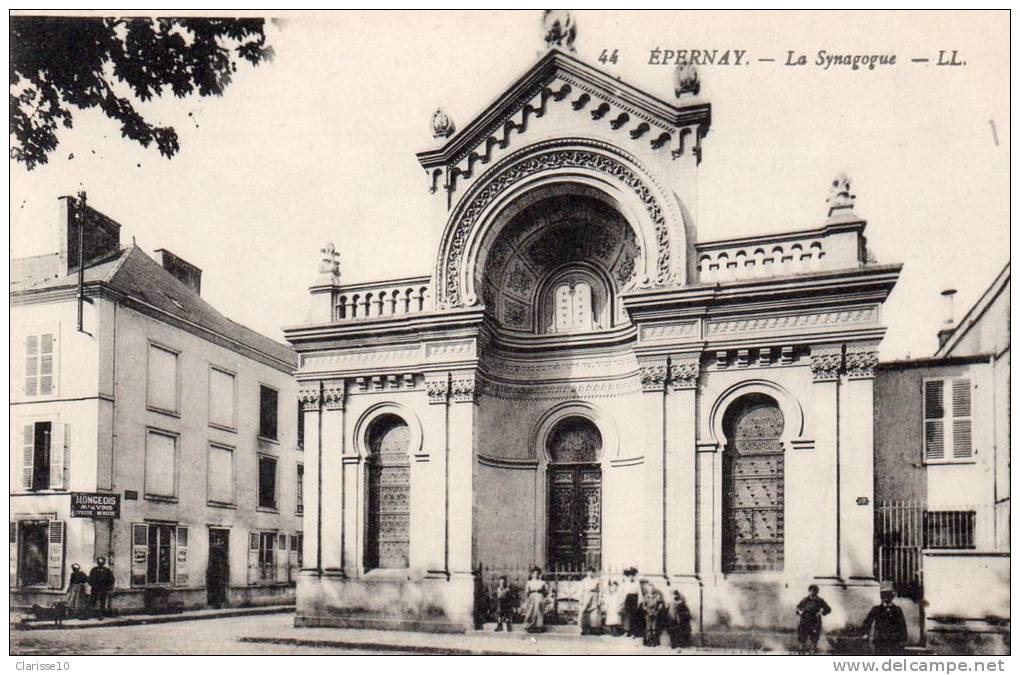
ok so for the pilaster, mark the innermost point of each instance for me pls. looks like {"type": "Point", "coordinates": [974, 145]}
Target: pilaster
{"type": "Point", "coordinates": [680, 469]}
{"type": "Point", "coordinates": [654, 377]}
{"type": "Point", "coordinates": [333, 502]}
{"type": "Point", "coordinates": [857, 465]}
{"type": "Point", "coordinates": [464, 393]}
{"type": "Point", "coordinates": [826, 362]}
{"type": "Point", "coordinates": [309, 395]}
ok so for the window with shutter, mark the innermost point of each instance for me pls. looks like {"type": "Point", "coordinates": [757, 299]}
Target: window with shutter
{"type": "Point", "coordinates": [300, 488]}
{"type": "Point", "coordinates": [58, 456]}
{"type": "Point", "coordinates": [32, 365]}
{"type": "Point", "coordinates": [253, 557]}
{"type": "Point", "coordinates": [221, 474]}
{"type": "Point", "coordinates": [28, 456]}
{"type": "Point", "coordinates": [14, 554]}
{"type": "Point", "coordinates": [139, 553]}
{"type": "Point", "coordinates": [42, 456]}
{"type": "Point", "coordinates": [267, 482]}
{"type": "Point", "coordinates": [160, 465]}
{"type": "Point", "coordinates": [221, 399]}
{"type": "Point", "coordinates": [268, 400]}
{"type": "Point", "coordinates": [40, 364]}
{"type": "Point", "coordinates": [948, 426]}
{"type": "Point", "coordinates": [161, 380]}
{"type": "Point", "coordinates": [46, 345]}
{"type": "Point", "coordinates": [55, 555]}
{"type": "Point", "coordinates": [281, 561]}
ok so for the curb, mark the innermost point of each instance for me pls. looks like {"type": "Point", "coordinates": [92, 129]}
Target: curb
{"type": "Point", "coordinates": [150, 619]}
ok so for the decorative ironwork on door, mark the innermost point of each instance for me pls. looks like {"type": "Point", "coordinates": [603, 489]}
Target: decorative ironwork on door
{"type": "Point", "coordinates": [389, 493]}
{"type": "Point", "coordinates": [575, 496]}
{"type": "Point", "coordinates": [753, 486]}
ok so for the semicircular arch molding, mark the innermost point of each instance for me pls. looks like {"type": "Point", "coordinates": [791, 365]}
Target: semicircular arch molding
{"type": "Point", "coordinates": [381, 410]}
{"type": "Point", "coordinates": [538, 442]}
{"type": "Point", "coordinates": [793, 413]}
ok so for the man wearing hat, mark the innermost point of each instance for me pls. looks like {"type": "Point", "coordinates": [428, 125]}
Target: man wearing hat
{"type": "Point", "coordinates": [101, 583]}
{"type": "Point", "coordinates": [886, 625]}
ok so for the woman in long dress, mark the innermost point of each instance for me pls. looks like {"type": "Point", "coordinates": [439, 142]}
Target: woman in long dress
{"type": "Point", "coordinates": [590, 616]}
{"type": "Point", "coordinates": [77, 597]}
{"type": "Point", "coordinates": [534, 605]}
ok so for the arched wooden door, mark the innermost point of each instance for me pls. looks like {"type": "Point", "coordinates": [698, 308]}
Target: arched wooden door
{"type": "Point", "coordinates": [574, 524]}
{"type": "Point", "coordinates": [753, 488]}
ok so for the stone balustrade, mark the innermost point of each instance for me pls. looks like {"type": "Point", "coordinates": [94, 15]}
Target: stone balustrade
{"type": "Point", "coordinates": [806, 252]}
{"type": "Point", "coordinates": [385, 298]}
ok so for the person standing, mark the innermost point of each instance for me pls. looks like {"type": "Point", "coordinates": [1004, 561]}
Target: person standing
{"type": "Point", "coordinates": [886, 624]}
{"type": "Point", "coordinates": [590, 616]}
{"type": "Point", "coordinates": [101, 582]}
{"type": "Point", "coordinates": [811, 610]}
{"type": "Point", "coordinates": [504, 605]}
{"type": "Point", "coordinates": [534, 604]}
{"type": "Point", "coordinates": [678, 615]}
{"type": "Point", "coordinates": [77, 591]}
{"type": "Point", "coordinates": [612, 604]}
{"type": "Point", "coordinates": [653, 605]}
{"type": "Point", "coordinates": [631, 591]}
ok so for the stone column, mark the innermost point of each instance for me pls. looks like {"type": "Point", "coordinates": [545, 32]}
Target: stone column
{"type": "Point", "coordinates": [464, 391]}
{"type": "Point", "coordinates": [681, 457]}
{"type": "Point", "coordinates": [826, 361]}
{"type": "Point", "coordinates": [332, 448]}
{"type": "Point", "coordinates": [857, 465]}
{"type": "Point", "coordinates": [654, 375]}
{"type": "Point", "coordinates": [435, 545]}
{"type": "Point", "coordinates": [309, 396]}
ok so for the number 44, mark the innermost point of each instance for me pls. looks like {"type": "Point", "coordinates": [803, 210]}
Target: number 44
{"type": "Point", "coordinates": [606, 57]}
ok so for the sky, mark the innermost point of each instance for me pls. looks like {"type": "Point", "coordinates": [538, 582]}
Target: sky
{"type": "Point", "coordinates": [318, 146]}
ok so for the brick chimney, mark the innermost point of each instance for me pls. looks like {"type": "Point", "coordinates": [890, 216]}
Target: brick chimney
{"type": "Point", "coordinates": [949, 322]}
{"type": "Point", "coordinates": [100, 239]}
{"type": "Point", "coordinates": [185, 272]}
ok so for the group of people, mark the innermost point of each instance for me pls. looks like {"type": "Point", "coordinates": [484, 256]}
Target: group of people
{"type": "Point", "coordinates": [90, 591]}
{"type": "Point", "coordinates": [633, 608]}
{"type": "Point", "coordinates": [636, 608]}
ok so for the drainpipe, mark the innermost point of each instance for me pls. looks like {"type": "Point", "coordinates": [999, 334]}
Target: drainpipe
{"type": "Point", "coordinates": [80, 217]}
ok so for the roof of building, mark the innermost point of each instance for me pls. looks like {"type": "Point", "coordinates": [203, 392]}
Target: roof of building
{"type": "Point", "coordinates": [133, 273]}
{"type": "Point", "coordinates": [975, 313]}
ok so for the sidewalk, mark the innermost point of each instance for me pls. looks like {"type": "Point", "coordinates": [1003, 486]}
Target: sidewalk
{"type": "Point", "coordinates": [471, 643]}
{"type": "Point", "coordinates": [141, 619]}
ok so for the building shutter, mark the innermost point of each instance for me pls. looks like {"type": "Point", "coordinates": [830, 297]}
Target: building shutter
{"type": "Point", "coordinates": [58, 456]}
{"type": "Point", "coordinates": [46, 351]}
{"type": "Point", "coordinates": [139, 553]}
{"type": "Point", "coordinates": [282, 571]}
{"type": "Point", "coordinates": [253, 557]}
{"type": "Point", "coordinates": [294, 543]}
{"type": "Point", "coordinates": [55, 555]}
{"type": "Point", "coordinates": [28, 455]}
{"type": "Point", "coordinates": [934, 422]}
{"type": "Point", "coordinates": [962, 432]}
{"type": "Point", "coordinates": [32, 365]}
{"type": "Point", "coordinates": [14, 554]}
{"type": "Point", "coordinates": [181, 562]}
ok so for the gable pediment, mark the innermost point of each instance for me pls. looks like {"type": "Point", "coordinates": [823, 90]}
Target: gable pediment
{"type": "Point", "coordinates": [560, 81]}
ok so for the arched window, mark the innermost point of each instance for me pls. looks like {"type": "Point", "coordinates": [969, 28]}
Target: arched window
{"type": "Point", "coordinates": [753, 487]}
{"type": "Point", "coordinates": [389, 494]}
{"type": "Point", "coordinates": [574, 522]}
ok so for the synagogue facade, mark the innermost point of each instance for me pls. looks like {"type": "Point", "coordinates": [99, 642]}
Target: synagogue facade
{"type": "Point", "coordinates": [585, 379]}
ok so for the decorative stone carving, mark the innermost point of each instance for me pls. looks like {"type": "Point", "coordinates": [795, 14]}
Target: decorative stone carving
{"type": "Point", "coordinates": [329, 265]}
{"type": "Point", "coordinates": [449, 291]}
{"type": "Point", "coordinates": [686, 80]}
{"type": "Point", "coordinates": [861, 361]}
{"type": "Point", "coordinates": [826, 363]}
{"type": "Point", "coordinates": [442, 125]}
{"type": "Point", "coordinates": [841, 199]}
{"type": "Point", "coordinates": [786, 356]}
{"type": "Point", "coordinates": [438, 387]}
{"type": "Point", "coordinates": [868, 315]}
{"type": "Point", "coordinates": [653, 377]}
{"type": "Point", "coordinates": [308, 396]}
{"type": "Point", "coordinates": [683, 373]}
{"type": "Point", "coordinates": [333, 393]}
{"type": "Point", "coordinates": [559, 29]}
{"type": "Point", "coordinates": [743, 358]}
{"type": "Point", "coordinates": [464, 389]}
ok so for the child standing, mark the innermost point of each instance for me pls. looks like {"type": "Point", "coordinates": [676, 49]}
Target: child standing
{"type": "Point", "coordinates": [612, 604]}
{"type": "Point", "coordinates": [504, 605]}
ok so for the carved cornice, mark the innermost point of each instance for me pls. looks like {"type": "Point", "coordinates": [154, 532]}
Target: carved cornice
{"type": "Point", "coordinates": [308, 396]}
{"type": "Point", "coordinates": [560, 391]}
{"type": "Point", "coordinates": [869, 315]}
{"type": "Point", "coordinates": [333, 394]}
{"type": "Point", "coordinates": [683, 373]}
{"type": "Point", "coordinates": [438, 387]}
{"type": "Point", "coordinates": [861, 361]}
{"type": "Point", "coordinates": [464, 389]}
{"type": "Point", "coordinates": [826, 363]}
{"type": "Point", "coordinates": [653, 377]}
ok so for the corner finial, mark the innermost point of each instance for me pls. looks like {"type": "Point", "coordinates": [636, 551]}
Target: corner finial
{"type": "Point", "coordinates": [686, 80]}
{"type": "Point", "coordinates": [329, 266]}
{"type": "Point", "coordinates": [559, 29]}
{"type": "Point", "coordinates": [442, 125]}
{"type": "Point", "coordinates": [841, 199]}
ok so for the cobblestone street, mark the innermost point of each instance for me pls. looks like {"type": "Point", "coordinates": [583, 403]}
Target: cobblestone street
{"type": "Point", "coordinates": [207, 637]}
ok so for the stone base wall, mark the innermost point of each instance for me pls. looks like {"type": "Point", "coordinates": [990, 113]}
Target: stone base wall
{"type": "Point", "coordinates": [387, 601]}
{"type": "Point", "coordinates": [133, 600]}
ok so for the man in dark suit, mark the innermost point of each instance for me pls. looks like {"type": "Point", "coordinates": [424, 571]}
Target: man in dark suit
{"type": "Point", "coordinates": [886, 624]}
{"type": "Point", "coordinates": [101, 585]}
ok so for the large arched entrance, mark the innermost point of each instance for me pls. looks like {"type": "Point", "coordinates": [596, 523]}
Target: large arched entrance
{"type": "Point", "coordinates": [753, 488]}
{"type": "Point", "coordinates": [574, 525]}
